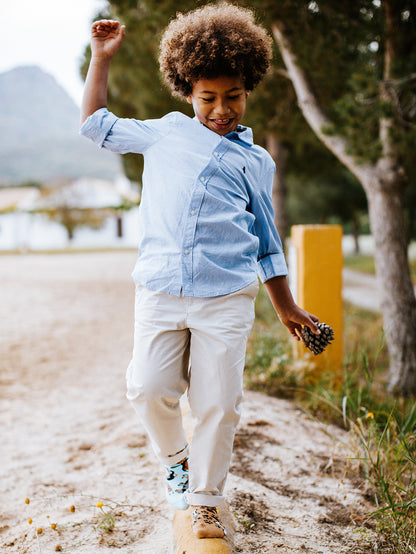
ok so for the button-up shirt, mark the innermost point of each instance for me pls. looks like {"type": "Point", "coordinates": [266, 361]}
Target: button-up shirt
{"type": "Point", "coordinates": [206, 217]}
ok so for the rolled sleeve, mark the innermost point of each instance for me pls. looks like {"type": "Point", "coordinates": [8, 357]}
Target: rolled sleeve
{"type": "Point", "coordinates": [98, 126]}
{"type": "Point", "coordinates": [271, 260]}
{"type": "Point", "coordinates": [124, 135]}
{"type": "Point", "coordinates": [273, 265]}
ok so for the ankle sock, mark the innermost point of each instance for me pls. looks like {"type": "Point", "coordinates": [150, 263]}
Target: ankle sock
{"type": "Point", "coordinates": [177, 483]}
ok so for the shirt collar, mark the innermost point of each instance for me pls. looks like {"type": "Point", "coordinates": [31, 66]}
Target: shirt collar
{"type": "Point", "coordinates": [245, 134]}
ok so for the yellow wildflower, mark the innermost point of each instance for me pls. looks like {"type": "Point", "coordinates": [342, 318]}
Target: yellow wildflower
{"type": "Point", "coordinates": [30, 521]}
{"type": "Point", "coordinates": [27, 501]}
{"type": "Point", "coordinates": [370, 415]}
{"type": "Point", "coordinates": [100, 504]}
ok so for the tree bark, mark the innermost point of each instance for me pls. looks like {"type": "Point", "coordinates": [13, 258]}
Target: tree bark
{"type": "Point", "coordinates": [356, 233]}
{"type": "Point", "coordinates": [384, 187]}
{"type": "Point", "coordinates": [279, 153]}
{"type": "Point", "coordinates": [398, 303]}
{"type": "Point", "coordinates": [119, 223]}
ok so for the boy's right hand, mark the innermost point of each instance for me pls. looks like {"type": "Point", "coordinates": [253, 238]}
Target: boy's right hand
{"type": "Point", "coordinates": [106, 38]}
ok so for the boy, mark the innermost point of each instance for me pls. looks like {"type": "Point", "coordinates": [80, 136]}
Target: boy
{"type": "Point", "coordinates": [206, 232]}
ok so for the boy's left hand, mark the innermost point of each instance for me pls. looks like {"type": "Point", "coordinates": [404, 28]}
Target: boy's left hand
{"type": "Point", "coordinates": [288, 311]}
{"type": "Point", "coordinates": [295, 318]}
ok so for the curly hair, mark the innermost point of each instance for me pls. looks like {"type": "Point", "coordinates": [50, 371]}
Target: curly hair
{"type": "Point", "coordinates": [213, 41]}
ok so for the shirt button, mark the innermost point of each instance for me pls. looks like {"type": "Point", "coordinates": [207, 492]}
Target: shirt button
{"type": "Point", "coordinates": [192, 212]}
{"type": "Point", "coordinates": [202, 179]}
{"type": "Point", "coordinates": [186, 251]}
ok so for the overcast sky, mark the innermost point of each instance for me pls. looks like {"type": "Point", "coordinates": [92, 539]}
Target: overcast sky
{"type": "Point", "coordinates": [51, 34]}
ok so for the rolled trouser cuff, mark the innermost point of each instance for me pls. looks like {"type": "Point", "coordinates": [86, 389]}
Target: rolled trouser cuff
{"type": "Point", "coordinates": [176, 458]}
{"type": "Point", "coordinates": [200, 499]}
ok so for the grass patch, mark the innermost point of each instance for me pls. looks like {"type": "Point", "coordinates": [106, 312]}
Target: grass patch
{"type": "Point", "coordinates": [360, 263]}
{"type": "Point", "coordinates": [366, 264]}
{"type": "Point", "coordinates": [384, 426]}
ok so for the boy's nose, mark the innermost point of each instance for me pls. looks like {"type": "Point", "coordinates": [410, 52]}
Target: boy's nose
{"type": "Point", "coordinates": [222, 109]}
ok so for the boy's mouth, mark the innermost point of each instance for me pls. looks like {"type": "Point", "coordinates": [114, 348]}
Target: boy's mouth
{"type": "Point", "coordinates": [222, 123]}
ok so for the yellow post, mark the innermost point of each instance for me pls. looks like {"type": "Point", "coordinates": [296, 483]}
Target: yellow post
{"type": "Point", "coordinates": [316, 282]}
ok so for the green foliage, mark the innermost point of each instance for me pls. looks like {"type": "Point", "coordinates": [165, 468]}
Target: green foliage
{"type": "Point", "coordinates": [386, 443]}
{"type": "Point", "coordinates": [357, 113]}
{"type": "Point", "coordinates": [342, 45]}
{"type": "Point", "coordinates": [317, 199]}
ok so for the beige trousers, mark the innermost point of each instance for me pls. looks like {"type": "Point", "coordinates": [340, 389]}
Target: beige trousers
{"type": "Point", "coordinates": [195, 345]}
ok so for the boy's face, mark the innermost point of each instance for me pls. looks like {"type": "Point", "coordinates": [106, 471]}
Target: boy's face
{"type": "Point", "coordinates": [219, 103]}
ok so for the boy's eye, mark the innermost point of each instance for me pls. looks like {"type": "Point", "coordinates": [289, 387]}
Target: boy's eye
{"type": "Point", "coordinates": [211, 99]}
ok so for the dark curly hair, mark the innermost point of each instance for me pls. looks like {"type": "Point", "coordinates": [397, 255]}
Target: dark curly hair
{"type": "Point", "coordinates": [212, 41]}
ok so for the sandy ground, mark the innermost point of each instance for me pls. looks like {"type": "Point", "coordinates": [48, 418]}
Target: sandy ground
{"type": "Point", "coordinates": [70, 438]}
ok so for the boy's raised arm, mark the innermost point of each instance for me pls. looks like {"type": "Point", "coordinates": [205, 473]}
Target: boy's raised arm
{"type": "Point", "coordinates": [106, 39]}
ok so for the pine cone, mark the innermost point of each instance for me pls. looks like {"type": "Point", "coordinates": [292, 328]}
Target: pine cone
{"type": "Point", "coordinates": [317, 343]}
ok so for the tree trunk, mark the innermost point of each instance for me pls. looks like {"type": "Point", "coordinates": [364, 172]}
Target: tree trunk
{"type": "Point", "coordinates": [356, 233]}
{"type": "Point", "coordinates": [383, 184]}
{"type": "Point", "coordinates": [119, 223]}
{"type": "Point", "coordinates": [398, 303]}
{"type": "Point", "coordinates": [385, 197]}
{"type": "Point", "coordinates": [279, 153]}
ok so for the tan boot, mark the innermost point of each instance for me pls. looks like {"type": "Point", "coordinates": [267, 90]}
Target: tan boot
{"type": "Point", "coordinates": [205, 523]}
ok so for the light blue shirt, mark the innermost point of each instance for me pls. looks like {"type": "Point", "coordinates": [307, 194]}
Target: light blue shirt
{"type": "Point", "coordinates": [206, 216]}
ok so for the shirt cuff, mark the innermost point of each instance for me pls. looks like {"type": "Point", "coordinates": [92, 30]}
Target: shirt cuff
{"type": "Point", "coordinates": [270, 266]}
{"type": "Point", "coordinates": [97, 126]}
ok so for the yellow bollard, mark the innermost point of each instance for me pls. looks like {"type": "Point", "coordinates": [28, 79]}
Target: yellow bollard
{"type": "Point", "coordinates": [316, 283]}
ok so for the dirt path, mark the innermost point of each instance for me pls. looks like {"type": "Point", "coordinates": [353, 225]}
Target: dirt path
{"type": "Point", "coordinates": [69, 437]}
{"type": "Point", "coordinates": [361, 289]}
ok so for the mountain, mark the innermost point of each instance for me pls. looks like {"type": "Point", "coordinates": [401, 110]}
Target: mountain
{"type": "Point", "coordinates": [39, 132]}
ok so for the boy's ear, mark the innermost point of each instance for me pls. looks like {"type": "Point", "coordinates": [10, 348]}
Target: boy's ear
{"type": "Point", "coordinates": [247, 93]}
{"type": "Point", "coordinates": [189, 99]}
